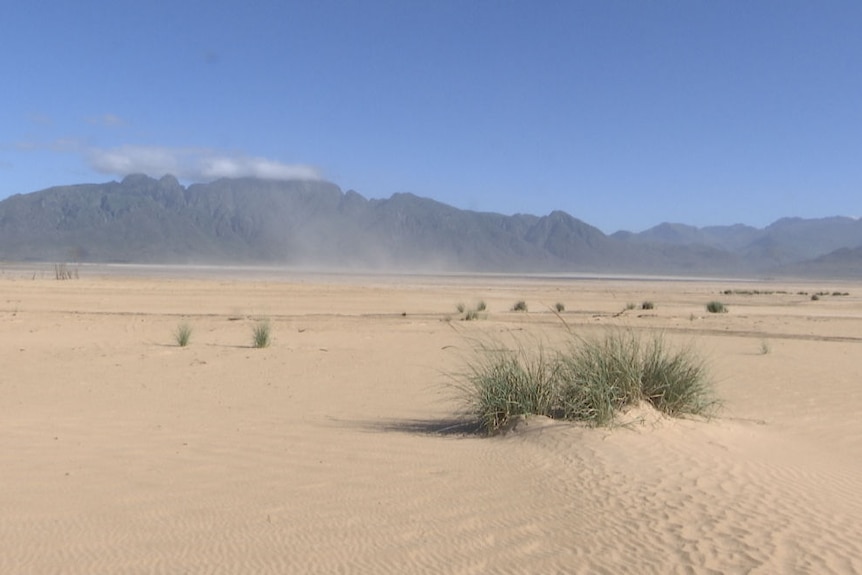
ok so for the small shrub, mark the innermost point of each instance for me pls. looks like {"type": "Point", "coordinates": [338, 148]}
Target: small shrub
{"type": "Point", "coordinates": [520, 305]}
{"type": "Point", "coordinates": [716, 307]}
{"type": "Point", "coordinates": [470, 314]}
{"type": "Point", "coordinates": [647, 305]}
{"type": "Point", "coordinates": [560, 307]}
{"type": "Point", "coordinates": [630, 305]}
{"type": "Point", "coordinates": [183, 334]}
{"type": "Point", "coordinates": [590, 381]}
{"type": "Point", "coordinates": [64, 272]}
{"type": "Point", "coordinates": [506, 383]}
{"type": "Point", "coordinates": [815, 297]}
{"type": "Point", "coordinates": [261, 334]}
{"type": "Point", "coordinates": [675, 382]}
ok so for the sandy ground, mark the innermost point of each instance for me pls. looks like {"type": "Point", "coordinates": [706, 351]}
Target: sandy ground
{"type": "Point", "coordinates": [333, 451]}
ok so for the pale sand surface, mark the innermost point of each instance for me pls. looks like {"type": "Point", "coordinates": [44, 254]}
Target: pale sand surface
{"type": "Point", "coordinates": [328, 452]}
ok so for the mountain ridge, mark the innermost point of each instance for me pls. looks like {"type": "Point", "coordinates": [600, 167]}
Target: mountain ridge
{"type": "Point", "coordinates": [314, 223]}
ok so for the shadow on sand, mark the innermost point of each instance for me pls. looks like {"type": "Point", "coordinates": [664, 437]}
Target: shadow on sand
{"type": "Point", "coordinates": [441, 427]}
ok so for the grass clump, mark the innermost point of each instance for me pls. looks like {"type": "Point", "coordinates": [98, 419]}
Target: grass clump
{"type": "Point", "coordinates": [507, 383]}
{"type": "Point", "coordinates": [64, 272]}
{"type": "Point", "coordinates": [520, 305]}
{"type": "Point", "coordinates": [560, 307]}
{"type": "Point", "coordinates": [261, 334]}
{"type": "Point", "coordinates": [590, 381]}
{"type": "Point", "coordinates": [648, 305]}
{"type": "Point", "coordinates": [716, 307]}
{"type": "Point", "coordinates": [183, 334]}
{"type": "Point", "coordinates": [471, 314]}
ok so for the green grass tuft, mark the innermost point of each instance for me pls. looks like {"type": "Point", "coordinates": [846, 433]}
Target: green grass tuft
{"type": "Point", "coordinates": [590, 381]}
{"type": "Point", "coordinates": [261, 334]}
{"type": "Point", "coordinates": [183, 334]}
{"type": "Point", "coordinates": [716, 307]}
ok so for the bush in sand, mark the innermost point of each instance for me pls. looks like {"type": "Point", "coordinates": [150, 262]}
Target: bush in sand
{"type": "Point", "coordinates": [590, 381]}
{"type": "Point", "coordinates": [716, 307]}
{"type": "Point", "coordinates": [261, 334]}
{"type": "Point", "coordinates": [183, 334]}
{"type": "Point", "coordinates": [471, 314]}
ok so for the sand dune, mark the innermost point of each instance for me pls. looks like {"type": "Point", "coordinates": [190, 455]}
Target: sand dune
{"type": "Point", "coordinates": [337, 449]}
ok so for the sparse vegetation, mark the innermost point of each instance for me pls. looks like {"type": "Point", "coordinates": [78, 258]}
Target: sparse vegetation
{"type": "Point", "coordinates": [765, 348]}
{"type": "Point", "coordinates": [261, 334]}
{"type": "Point", "coordinates": [647, 305]}
{"type": "Point", "coordinates": [590, 381]}
{"type": "Point", "coordinates": [752, 292]}
{"type": "Point", "coordinates": [470, 314]}
{"type": "Point", "coordinates": [183, 334]}
{"type": "Point", "coordinates": [520, 305]}
{"type": "Point", "coordinates": [560, 307]}
{"type": "Point", "coordinates": [64, 272]}
{"type": "Point", "coordinates": [816, 296]}
{"type": "Point", "coordinates": [716, 307]}
{"type": "Point", "coordinates": [630, 305]}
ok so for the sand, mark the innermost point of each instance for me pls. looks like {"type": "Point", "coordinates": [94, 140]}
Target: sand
{"type": "Point", "coordinates": [337, 450]}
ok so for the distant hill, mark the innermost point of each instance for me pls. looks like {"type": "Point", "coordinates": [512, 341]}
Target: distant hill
{"type": "Point", "coordinates": [842, 263]}
{"type": "Point", "coordinates": [316, 224]}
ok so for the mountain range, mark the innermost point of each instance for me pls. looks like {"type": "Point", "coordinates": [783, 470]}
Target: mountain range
{"type": "Point", "coordinates": [315, 224]}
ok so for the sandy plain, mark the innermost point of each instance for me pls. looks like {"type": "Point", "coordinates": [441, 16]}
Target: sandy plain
{"type": "Point", "coordinates": [337, 449]}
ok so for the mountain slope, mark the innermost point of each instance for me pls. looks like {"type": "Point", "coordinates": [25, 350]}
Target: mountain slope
{"type": "Point", "coordinates": [314, 223]}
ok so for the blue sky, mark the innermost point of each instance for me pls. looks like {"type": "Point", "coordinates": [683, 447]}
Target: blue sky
{"type": "Point", "coordinates": [624, 114]}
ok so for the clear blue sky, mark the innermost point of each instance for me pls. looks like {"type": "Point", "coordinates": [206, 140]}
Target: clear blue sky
{"type": "Point", "coordinates": [624, 114]}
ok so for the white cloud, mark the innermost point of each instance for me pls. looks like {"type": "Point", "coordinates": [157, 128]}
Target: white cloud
{"type": "Point", "coordinates": [41, 119]}
{"type": "Point", "coordinates": [108, 120]}
{"type": "Point", "coordinates": [195, 164]}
